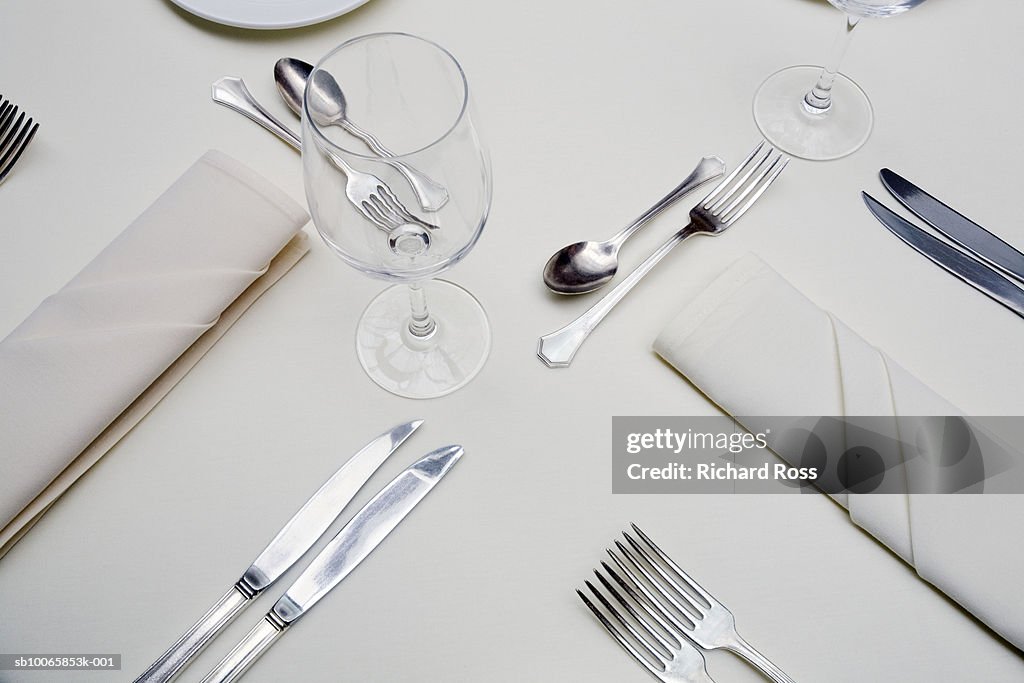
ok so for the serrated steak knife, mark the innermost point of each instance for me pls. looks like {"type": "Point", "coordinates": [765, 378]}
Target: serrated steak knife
{"type": "Point", "coordinates": [297, 536]}
{"type": "Point", "coordinates": [350, 547]}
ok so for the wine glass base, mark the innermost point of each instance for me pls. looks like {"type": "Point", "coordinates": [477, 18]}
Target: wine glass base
{"type": "Point", "coordinates": [427, 367]}
{"type": "Point", "coordinates": [785, 122]}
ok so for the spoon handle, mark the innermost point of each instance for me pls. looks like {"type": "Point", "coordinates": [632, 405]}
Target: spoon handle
{"type": "Point", "coordinates": [431, 194]}
{"type": "Point", "coordinates": [232, 93]}
{"type": "Point", "coordinates": [707, 169]}
{"type": "Point", "coordinates": [557, 349]}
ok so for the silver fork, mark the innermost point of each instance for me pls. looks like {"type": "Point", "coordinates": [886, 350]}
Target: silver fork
{"type": "Point", "coordinates": [374, 199]}
{"type": "Point", "coordinates": [675, 661]}
{"type": "Point", "coordinates": [681, 605]}
{"type": "Point", "coordinates": [15, 134]}
{"type": "Point", "coordinates": [370, 195]}
{"type": "Point", "coordinates": [712, 216]}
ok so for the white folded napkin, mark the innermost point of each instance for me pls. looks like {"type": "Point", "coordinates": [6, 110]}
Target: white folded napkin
{"type": "Point", "coordinates": [756, 346]}
{"type": "Point", "coordinates": [95, 357]}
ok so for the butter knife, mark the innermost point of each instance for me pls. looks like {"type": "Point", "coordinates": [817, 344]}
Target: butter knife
{"type": "Point", "coordinates": [954, 225]}
{"type": "Point", "coordinates": [967, 268]}
{"type": "Point", "coordinates": [297, 536]}
{"type": "Point", "coordinates": [354, 542]}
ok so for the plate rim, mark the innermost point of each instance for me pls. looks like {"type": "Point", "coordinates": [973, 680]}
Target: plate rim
{"type": "Point", "coordinates": [190, 7]}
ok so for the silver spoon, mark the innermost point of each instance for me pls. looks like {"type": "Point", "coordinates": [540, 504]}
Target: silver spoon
{"type": "Point", "coordinates": [327, 103]}
{"type": "Point", "coordinates": [585, 266]}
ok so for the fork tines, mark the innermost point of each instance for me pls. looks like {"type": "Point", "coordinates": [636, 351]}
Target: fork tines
{"type": "Point", "coordinates": [15, 135]}
{"type": "Point", "coordinates": [387, 212]}
{"type": "Point", "coordinates": [640, 621]}
{"type": "Point", "coordinates": [664, 618]}
{"type": "Point", "coordinates": [733, 196]}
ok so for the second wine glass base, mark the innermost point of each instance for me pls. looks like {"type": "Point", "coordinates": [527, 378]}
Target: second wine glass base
{"type": "Point", "coordinates": [780, 114]}
{"type": "Point", "coordinates": [431, 366]}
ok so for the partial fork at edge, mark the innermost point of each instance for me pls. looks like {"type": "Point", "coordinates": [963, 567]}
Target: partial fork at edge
{"type": "Point", "coordinates": [667, 601]}
{"type": "Point", "coordinates": [15, 135]}
{"type": "Point", "coordinates": [712, 216]}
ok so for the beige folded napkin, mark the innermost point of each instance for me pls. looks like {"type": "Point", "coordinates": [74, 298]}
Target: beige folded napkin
{"type": "Point", "coordinates": [94, 358]}
{"type": "Point", "coordinates": [756, 346]}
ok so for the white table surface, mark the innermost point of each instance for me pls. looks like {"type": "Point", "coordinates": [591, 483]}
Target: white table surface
{"type": "Point", "coordinates": [592, 110]}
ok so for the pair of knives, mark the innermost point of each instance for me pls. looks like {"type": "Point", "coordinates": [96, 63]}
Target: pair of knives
{"type": "Point", "coordinates": [984, 261]}
{"type": "Point", "coordinates": [353, 543]}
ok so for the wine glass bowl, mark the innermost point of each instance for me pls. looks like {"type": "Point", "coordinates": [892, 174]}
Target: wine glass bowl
{"type": "Point", "coordinates": [413, 97]}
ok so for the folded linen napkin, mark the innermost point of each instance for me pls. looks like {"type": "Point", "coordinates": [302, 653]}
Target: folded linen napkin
{"type": "Point", "coordinates": [756, 346]}
{"type": "Point", "coordinates": [94, 358]}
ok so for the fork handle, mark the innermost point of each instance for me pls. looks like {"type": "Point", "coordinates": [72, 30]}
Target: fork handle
{"type": "Point", "coordinates": [762, 663]}
{"type": "Point", "coordinates": [557, 349]}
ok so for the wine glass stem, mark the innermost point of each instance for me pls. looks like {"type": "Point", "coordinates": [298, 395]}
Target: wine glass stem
{"type": "Point", "coordinates": [819, 100]}
{"type": "Point", "coordinates": [421, 325]}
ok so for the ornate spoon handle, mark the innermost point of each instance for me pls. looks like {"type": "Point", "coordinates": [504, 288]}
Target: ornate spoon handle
{"type": "Point", "coordinates": [232, 93]}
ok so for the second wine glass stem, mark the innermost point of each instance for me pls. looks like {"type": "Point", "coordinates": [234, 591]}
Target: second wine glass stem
{"type": "Point", "coordinates": [422, 324]}
{"type": "Point", "coordinates": [819, 100]}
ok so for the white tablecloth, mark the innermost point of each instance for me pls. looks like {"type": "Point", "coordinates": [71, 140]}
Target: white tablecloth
{"type": "Point", "coordinates": [608, 105]}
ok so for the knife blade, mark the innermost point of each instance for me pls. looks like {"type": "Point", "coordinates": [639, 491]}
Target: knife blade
{"type": "Point", "coordinates": [954, 225]}
{"type": "Point", "coordinates": [298, 535]}
{"type": "Point", "coordinates": [967, 268]}
{"type": "Point", "coordinates": [354, 542]}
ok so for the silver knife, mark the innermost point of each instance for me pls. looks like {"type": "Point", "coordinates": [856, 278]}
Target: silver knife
{"type": "Point", "coordinates": [963, 266]}
{"type": "Point", "coordinates": [297, 536]}
{"type": "Point", "coordinates": [353, 543]}
{"type": "Point", "coordinates": [954, 225]}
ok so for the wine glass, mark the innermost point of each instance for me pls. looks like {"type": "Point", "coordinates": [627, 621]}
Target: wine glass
{"type": "Point", "coordinates": [828, 118]}
{"type": "Point", "coordinates": [412, 97]}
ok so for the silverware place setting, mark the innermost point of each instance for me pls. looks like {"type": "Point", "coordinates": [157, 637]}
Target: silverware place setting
{"type": "Point", "coordinates": [355, 541]}
{"type": "Point", "coordinates": [712, 216]}
{"type": "Point", "coordinates": [662, 617]}
{"type": "Point", "coordinates": [585, 267]}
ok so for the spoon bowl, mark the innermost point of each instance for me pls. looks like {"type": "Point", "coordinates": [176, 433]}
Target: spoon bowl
{"type": "Point", "coordinates": [290, 76]}
{"type": "Point", "coordinates": [326, 100]}
{"type": "Point", "coordinates": [582, 267]}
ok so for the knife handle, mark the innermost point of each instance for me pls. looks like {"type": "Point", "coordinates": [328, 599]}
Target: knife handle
{"type": "Point", "coordinates": [192, 642]}
{"type": "Point", "coordinates": [245, 654]}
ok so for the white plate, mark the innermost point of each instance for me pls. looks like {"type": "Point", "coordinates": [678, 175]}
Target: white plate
{"type": "Point", "coordinates": [268, 14]}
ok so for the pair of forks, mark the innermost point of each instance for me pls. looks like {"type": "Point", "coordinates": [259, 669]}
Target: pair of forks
{"type": "Point", "coordinates": [15, 134]}
{"type": "Point", "coordinates": [671, 618]}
